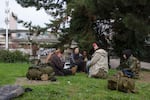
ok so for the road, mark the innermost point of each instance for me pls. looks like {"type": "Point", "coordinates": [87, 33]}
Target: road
{"type": "Point", "coordinates": [115, 62]}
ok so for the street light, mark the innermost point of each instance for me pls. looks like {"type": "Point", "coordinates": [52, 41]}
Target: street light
{"type": "Point", "coordinates": [7, 23]}
{"type": "Point", "coordinates": [30, 42]}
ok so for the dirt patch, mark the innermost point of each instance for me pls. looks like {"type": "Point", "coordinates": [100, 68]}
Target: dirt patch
{"type": "Point", "coordinates": [24, 81]}
{"type": "Point", "coordinates": [144, 77]}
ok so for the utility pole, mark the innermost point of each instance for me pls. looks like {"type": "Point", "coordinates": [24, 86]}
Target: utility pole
{"type": "Point", "coordinates": [7, 23]}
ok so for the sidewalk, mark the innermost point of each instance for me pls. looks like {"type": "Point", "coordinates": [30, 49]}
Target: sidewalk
{"type": "Point", "coordinates": [115, 62]}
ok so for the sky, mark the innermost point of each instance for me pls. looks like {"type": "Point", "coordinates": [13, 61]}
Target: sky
{"type": "Point", "coordinates": [26, 14]}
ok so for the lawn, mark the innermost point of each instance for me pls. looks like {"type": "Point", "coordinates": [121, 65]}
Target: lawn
{"type": "Point", "coordinates": [78, 87]}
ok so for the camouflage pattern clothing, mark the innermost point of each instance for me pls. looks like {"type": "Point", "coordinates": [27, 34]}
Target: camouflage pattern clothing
{"type": "Point", "coordinates": [40, 72]}
{"type": "Point", "coordinates": [133, 67]}
{"type": "Point", "coordinates": [120, 83]}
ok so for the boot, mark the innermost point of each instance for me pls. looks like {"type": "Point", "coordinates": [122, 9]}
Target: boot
{"type": "Point", "coordinates": [120, 74]}
{"type": "Point", "coordinates": [74, 69]}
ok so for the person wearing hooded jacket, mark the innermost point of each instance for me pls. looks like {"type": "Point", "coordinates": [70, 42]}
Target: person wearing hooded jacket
{"type": "Point", "coordinates": [98, 66]}
{"type": "Point", "coordinates": [131, 65]}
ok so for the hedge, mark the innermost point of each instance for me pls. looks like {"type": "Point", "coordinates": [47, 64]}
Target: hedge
{"type": "Point", "coordinates": [13, 57]}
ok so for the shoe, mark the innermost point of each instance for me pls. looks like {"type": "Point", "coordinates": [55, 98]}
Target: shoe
{"type": "Point", "coordinates": [74, 69]}
{"type": "Point", "coordinates": [27, 89]}
{"type": "Point", "coordinates": [53, 79]}
{"type": "Point", "coordinates": [120, 74]}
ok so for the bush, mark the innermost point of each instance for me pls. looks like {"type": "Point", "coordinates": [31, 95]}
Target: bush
{"type": "Point", "coordinates": [12, 57]}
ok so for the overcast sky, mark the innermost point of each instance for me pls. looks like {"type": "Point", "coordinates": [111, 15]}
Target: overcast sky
{"type": "Point", "coordinates": [26, 14]}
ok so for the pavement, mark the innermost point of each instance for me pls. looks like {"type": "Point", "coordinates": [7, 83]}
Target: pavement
{"type": "Point", "coordinates": [115, 62]}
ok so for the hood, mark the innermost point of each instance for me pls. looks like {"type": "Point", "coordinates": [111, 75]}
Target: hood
{"type": "Point", "coordinates": [102, 52]}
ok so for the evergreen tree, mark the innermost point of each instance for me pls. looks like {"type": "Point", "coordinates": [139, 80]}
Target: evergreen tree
{"type": "Point", "coordinates": [129, 20]}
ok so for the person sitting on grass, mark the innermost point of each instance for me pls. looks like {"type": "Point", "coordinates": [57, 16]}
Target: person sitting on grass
{"type": "Point", "coordinates": [130, 66]}
{"type": "Point", "coordinates": [86, 58]}
{"type": "Point", "coordinates": [58, 65]}
{"type": "Point", "coordinates": [98, 66]}
{"type": "Point", "coordinates": [76, 59]}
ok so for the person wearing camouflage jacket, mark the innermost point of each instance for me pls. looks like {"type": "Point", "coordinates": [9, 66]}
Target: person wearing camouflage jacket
{"type": "Point", "coordinates": [132, 64]}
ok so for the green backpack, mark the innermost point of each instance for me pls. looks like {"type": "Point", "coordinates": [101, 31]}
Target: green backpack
{"type": "Point", "coordinates": [35, 72]}
{"type": "Point", "coordinates": [120, 83]}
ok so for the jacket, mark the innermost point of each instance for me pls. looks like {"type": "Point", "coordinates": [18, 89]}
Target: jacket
{"type": "Point", "coordinates": [99, 61]}
{"type": "Point", "coordinates": [133, 64]}
{"type": "Point", "coordinates": [57, 64]}
{"type": "Point", "coordinates": [76, 59]}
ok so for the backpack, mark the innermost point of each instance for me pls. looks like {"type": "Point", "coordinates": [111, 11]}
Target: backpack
{"type": "Point", "coordinates": [121, 83]}
{"type": "Point", "coordinates": [8, 92]}
{"type": "Point", "coordinates": [33, 73]}
{"type": "Point", "coordinates": [40, 71]}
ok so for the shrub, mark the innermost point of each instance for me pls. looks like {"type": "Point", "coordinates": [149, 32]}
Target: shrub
{"type": "Point", "coordinates": [12, 57]}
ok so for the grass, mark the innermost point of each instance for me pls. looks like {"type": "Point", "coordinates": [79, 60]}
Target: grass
{"type": "Point", "coordinates": [9, 72]}
{"type": "Point", "coordinates": [78, 87]}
